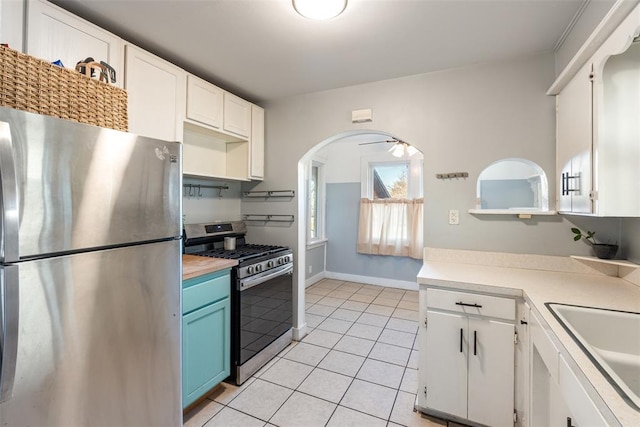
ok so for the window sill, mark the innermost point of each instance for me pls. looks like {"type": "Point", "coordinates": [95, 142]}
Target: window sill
{"type": "Point", "coordinates": [316, 243]}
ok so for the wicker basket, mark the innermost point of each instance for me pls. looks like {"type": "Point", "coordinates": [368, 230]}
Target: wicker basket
{"type": "Point", "coordinates": [31, 84]}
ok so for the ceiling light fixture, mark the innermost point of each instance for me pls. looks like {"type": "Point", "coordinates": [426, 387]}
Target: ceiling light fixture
{"type": "Point", "coordinates": [402, 149]}
{"type": "Point", "coordinates": [319, 9]}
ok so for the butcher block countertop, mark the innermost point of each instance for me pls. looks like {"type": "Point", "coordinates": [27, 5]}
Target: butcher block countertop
{"type": "Point", "coordinates": [194, 266]}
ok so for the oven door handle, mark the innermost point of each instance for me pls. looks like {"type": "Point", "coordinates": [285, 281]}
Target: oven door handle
{"type": "Point", "coordinates": [246, 284]}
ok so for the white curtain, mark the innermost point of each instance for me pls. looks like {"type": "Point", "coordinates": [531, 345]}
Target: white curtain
{"type": "Point", "coordinates": [391, 227]}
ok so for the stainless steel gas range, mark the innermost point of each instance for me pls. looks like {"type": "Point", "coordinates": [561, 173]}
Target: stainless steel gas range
{"type": "Point", "coordinates": [261, 293]}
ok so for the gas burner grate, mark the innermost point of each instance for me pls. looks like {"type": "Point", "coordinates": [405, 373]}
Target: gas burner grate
{"type": "Point", "coordinates": [244, 252]}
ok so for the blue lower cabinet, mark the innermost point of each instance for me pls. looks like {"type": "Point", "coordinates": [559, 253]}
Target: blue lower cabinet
{"type": "Point", "coordinates": [205, 336]}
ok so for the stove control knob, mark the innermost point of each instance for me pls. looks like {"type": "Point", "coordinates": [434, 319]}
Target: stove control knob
{"type": "Point", "coordinates": [280, 261]}
{"type": "Point", "coordinates": [270, 264]}
{"type": "Point", "coordinates": [287, 259]}
{"type": "Point", "coordinates": [258, 268]}
{"type": "Point", "coordinates": [250, 270]}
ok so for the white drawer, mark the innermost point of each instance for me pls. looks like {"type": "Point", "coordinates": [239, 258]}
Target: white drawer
{"type": "Point", "coordinates": [463, 302]}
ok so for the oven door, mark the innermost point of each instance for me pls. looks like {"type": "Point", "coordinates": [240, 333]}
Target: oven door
{"type": "Point", "coordinates": [266, 302]}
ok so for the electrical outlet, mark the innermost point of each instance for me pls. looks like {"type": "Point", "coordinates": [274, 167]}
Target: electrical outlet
{"type": "Point", "coordinates": [454, 217]}
{"type": "Point", "coordinates": [310, 269]}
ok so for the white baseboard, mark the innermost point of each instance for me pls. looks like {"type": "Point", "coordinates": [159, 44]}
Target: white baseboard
{"type": "Point", "coordinates": [315, 279]}
{"type": "Point", "coordinates": [380, 281]}
{"type": "Point", "coordinates": [299, 333]}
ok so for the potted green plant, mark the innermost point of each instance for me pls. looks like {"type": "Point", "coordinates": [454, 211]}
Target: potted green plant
{"type": "Point", "coordinates": [602, 250]}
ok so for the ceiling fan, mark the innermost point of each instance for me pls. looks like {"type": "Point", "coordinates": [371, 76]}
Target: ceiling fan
{"type": "Point", "coordinates": [400, 148]}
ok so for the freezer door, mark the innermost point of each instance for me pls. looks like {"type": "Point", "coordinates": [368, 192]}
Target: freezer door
{"type": "Point", "coordinates": [98, 339]}
{"type": "Point", "coordinates": [67, 186]}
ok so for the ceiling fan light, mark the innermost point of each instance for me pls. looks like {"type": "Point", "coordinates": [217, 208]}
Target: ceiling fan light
{"type": "Point", "coordinates": [319, 9]}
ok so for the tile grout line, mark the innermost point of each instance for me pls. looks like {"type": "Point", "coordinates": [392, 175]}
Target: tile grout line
{"type": "Point", "coordinates": [397, 391]}
{"type": "Point", "coordinates": [332, 348]}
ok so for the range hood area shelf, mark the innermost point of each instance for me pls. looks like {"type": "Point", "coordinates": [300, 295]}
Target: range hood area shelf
{"type": "Point", "coordinates": [268, 194]}
{"type": "Point", "coordinates": [210, 154]}
{"type": "Point", "coordinates": [268, 218]}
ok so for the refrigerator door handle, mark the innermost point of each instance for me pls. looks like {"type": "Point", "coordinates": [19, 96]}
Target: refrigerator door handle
{"type": "Point", "coordinates": [9, 310]}
{"type": "Point", "coordinates": [9, 189]}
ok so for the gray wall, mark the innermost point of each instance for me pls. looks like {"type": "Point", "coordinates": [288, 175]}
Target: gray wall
{"type": "Point", "coordinates": [343, 207]}
{"type": "Point", "coordinates": [591, 16]}
{"type": "Point", "coordinates": [315, 261]}
{"type": "Point", "coordinates": [462, 120]}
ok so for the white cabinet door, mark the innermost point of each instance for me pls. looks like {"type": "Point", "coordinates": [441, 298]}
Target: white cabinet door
{"type": "Point", "coordinates": [583, 411]}
{"type": "Point", "coordinates": [422, 348]}
{"type": "Point", "coordinates": [491, 372]}
{"type": "Point", "coordinates": [574, 144]}
{"type": "Point", "coordinates": [558, 409]}
{"type": "Point", "coordinates": [445, 363]}
{"type": "Point", "coordinates": [617, 129]}
{"type": "Point", "coordinates": [204, 102]}
{"type": "Point", "coordinates": [53, 33]}
{"type": "Point", "coordinates": [156, 91]}
{"type": "Point", "coordinates": [237, 115]}
{"type": "Point", "coordinates": [257, 142]}
{"type": "Point", "coordinates": [12, 21]}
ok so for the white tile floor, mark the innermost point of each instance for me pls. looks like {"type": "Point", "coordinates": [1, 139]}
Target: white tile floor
{"type": "Point", "coordinates": [356, 367]}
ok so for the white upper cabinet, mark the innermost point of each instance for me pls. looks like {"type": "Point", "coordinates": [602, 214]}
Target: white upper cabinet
{"type": "Point", "coordinates": [616, 127]}
{"type": "Point", "coordinates": [573, 155]}
{"type": "Point", "coordinates": [156, 92]}
{"type": "Point", "coordinates": [598, 131]}
{"type": "Point", "coordinates": [204, 102]}
{"type": "Point", "coordinates": [53, 33]}
{"type": "Point", "coordinates": [223, 134]}
{"type": "Point", "coordinates": [257, 143]}
{"type": "Point", "coordinates": [237, 115]}
{"type": "Point", "coordinates": [12, 24]}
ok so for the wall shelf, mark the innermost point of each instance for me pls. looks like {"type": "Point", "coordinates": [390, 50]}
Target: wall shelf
{"type": "Point", "coordinates": [268, 218]}
{"type": "Point", "coordinates": [268, 194]}
{"type": "Point", "coordinates": [617, 262]}
{"type": "Point", "coordinates": [521, 213]}
{"type": "Point", "coordinates": [195, 190]}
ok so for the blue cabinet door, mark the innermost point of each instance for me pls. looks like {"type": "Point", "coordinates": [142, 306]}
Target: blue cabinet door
{"type": "Point", "coordinates": [205, 349]}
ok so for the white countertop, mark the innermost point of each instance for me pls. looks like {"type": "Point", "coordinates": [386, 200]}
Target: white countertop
{"type": "Point", "coordinates": [538, 287]}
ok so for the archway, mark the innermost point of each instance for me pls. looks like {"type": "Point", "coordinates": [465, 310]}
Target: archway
{"type": "Point", "coordinates": [361, 136]}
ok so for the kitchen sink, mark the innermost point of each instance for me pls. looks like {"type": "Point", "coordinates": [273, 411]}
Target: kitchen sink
{"type": "Point", "coordinates": [611, 339]}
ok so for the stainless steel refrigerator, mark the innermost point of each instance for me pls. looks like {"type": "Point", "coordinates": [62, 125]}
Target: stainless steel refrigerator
{"type": "Point", "coordinates": [90, 275]}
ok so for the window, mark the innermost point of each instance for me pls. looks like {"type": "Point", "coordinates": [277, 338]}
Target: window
{"type": "Point", "coordinates": [391, 208]}
{"type": "Point", "coordinates": [315, 206]}
{"type": "Point", "coordinates": [392, 179]}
